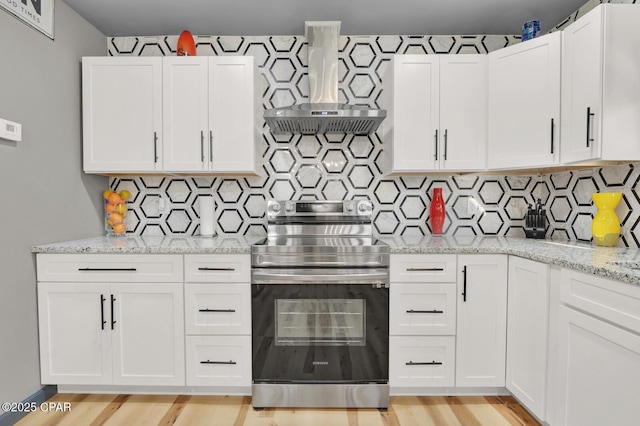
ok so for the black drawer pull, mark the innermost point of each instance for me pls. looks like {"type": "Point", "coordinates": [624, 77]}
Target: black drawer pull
{"type": "Point", "coordinates": [464, 284]}
{"type": "Point", "coordinates": [411, 311]}
{"type": "Point", "coordinates": [425, 269]}
{"type": "Point", "coordinates": [424, 363]}
{"type": "Point", "coordinates": [206, 268]}
{"type": "Point", "coordinates": [102, 320]}
{"type": "Point", "coordinates": [113, 321]}
{"type": "Point", "coordinates": [589, 115]}
{"type": "Point", "coordinates": [108, 269]}
{"type": "Point", "coordinates": [216, 310]}
{"type": "Point", "coordinates": [219, 362]}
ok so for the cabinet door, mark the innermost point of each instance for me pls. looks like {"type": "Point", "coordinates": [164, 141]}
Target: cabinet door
{"type": "Point", "coordinates": [148, 334]}
{"type": "Point", "coordinates": [185, 92]}
{"type": "Point", "coordinates": [233, 86]}
{"type": "Point", "coordinates": [582, 87]}
{"type": "Point", "coordinates": [599, 372]}
{"type": "Point", "coordinates": [122, 114]}
{"type": "Point", "coordinates": [413, 104]}
{"type": "Point", "coordinates": [482, 320]}
{"type": "Point", "coordinates": [75, 333]}
{"type": "Point", "coordinates": [527, 333]}
{"type": "Point", "coordinates": [524, 104]}
{"type": "Point", "coordinates": [463, 112]}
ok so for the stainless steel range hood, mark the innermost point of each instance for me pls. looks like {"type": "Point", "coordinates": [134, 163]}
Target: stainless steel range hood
{"type": "Point", "coordinates": [323, 113]}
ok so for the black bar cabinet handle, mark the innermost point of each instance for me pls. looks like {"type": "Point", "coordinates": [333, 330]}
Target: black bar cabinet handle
{"type": "Point", "coordinates": [216, 310]}
{"type": "Point", "coordinates": [436, 155]}
{"type": "Point", "coordinates": [205, 268]}
{"type": "Point", "coordinates": [464, 283]}
{"type": "Point", "coordinates": [411, 311]}
{"type": "Point", "coordinates": [425, 269]}
{"type": "Point", "coordinates": [102, 321]}
{"type": "Point", "coordinates": [445, 143]}
{"type": "Point", "coordinates": [155, 147]}
{"type": "Point", "coordinates": [423, 363]}
{"type": "Point", "coordinates": [552, 132]}
{"type": "Point", "coordinates": [107, 269]}
{"type": "Point", "coordinates": [113, 321]}
{"type": "Point", "coordinates": [218, 362]}
{"type": "Point", "coordinates": [202, 146]}
{"type": "Point", "coordinates": [589, 115]}
{"type": "Point", "coordinates": [210, 145]}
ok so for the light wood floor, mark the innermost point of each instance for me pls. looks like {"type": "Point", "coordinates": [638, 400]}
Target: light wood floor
{"type": "Point", "coordinates": [236, 410]}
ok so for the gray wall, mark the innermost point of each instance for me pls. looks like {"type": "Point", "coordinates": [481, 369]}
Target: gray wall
{"type": "Point", "coordinates": [44, 196]}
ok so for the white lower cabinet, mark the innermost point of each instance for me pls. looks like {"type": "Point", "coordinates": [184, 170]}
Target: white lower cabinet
{"type": "Point", "coordinates": [599, 351]}
{"type": "Point", "coordinates": [482, 320]}
{"type": "Point", "coordinates": [422, 361]}
{"type": "Point", "coordinates": [423, 309]}
{"type": "Point", "coordinates": [528, 333]}
{"type": "Point", "coordinates": [120, 334]}
{"type": "Point", "coordinates": [447, 322]}
{"type": "Point", "coordinates": [219, 361]}
{"type": "Point", "coordinates": [218, 321]}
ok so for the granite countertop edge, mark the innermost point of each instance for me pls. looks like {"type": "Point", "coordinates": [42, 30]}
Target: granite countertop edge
{"type": "Point", "coordinates": [618, 263]}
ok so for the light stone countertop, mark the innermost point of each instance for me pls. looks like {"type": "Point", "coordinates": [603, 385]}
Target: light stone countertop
{"type": "Point", "coordinates": [622, 264]}
{"type": "Point", "coordinates": [170, 244]}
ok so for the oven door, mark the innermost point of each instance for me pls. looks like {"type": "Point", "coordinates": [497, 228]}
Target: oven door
{"type": "Point", "coordinates": [311, 326]}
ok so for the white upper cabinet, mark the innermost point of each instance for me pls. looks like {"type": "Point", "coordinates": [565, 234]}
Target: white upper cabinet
{"type": "Point", "coordinates": [210, 114]}
{"type": "Point", "coordinates": [234, 113]}
{"type": "Point", "coordinates": [600, 86]}
{"type": "Point", "coordinates": [122, 114]}
{"type": "Point", "coordinates": [435, 113]}
{"type": "Point", "coordinates": [524, 104]}
{"type": "Point", "coordinates": [207, 109]}
{"type": "Point", "coordinates": [185, 84]}
{"type": "Point", "coordinates": [411, 97]}
{"type": "Point", "coordinates": [463, 112]}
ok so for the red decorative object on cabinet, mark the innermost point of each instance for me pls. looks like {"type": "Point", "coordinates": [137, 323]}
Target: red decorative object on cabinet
{"type": "Point", "coordinates": [186, 45]}
{"type": "Point", "coordinates": [437, 212]}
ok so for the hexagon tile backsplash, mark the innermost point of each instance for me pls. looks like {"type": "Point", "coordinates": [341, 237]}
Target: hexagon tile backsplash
{"type": "Point", "coordinates": [339, 167]}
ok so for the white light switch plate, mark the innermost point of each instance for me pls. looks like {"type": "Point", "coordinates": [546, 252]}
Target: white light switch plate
{"type": "Point", "coordinates": [10, 130]}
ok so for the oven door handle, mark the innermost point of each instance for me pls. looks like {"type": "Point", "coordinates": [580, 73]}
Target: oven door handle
{"type": "Point", "coordinates": [323, 276]}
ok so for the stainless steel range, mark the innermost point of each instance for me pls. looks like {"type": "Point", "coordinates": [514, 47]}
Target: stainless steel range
{"type": "Point", "coordinates": [320, 307]}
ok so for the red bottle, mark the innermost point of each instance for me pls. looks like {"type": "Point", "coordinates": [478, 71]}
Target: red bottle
{"type": "Point", "coordinates": [437, 212]}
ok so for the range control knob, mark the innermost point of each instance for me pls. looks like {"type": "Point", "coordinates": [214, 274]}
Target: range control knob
{"type": "Point", "coordinates": [364, 207]}
{"type": "Point", "coordinates": [349, 206]}
{"type": "Point", "coordinates": [275, 207]}
{"type": "Point", "coordinates": [289, 207]}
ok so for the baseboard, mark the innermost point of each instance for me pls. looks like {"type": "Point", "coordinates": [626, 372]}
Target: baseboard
{"type": "Point", "coordinates": [11, 417]}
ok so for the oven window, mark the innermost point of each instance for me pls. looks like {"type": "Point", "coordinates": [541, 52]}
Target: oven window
{"type": "Point", "coordinates": [320, 322]}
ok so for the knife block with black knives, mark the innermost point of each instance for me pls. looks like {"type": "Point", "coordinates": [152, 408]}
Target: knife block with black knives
{"type": "Point", "coordinates": [535, 221]}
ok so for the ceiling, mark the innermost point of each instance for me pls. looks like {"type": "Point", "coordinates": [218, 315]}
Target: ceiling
{"type": "Point", "coordinates": [286, 17]}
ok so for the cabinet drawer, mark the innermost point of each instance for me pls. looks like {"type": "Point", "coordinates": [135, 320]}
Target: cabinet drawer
{"type": "Point", "coordinates": [423, 268]}
{"type": "Point", "coordinates": [422, 309]}
{"type": "Point", "coordinates": [422, 361]}
{"type": "Point", "coordinates": [611, 300]}
{"type": "Point", "coordinates": [117, 268]}
{"type": "Point", "coordinates": [218, 361]}
{"type": "Point", "coordinates": [217, 268]}
{"type": "Point", "coordinates": [218, 308]}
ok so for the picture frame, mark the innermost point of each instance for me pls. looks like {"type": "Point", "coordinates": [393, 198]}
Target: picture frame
{"type": "Point", "coordinates": [38, 14]}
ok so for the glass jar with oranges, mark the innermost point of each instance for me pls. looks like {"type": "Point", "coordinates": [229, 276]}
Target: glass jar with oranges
{"type": "Point", "coordinates": [115, 208]}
